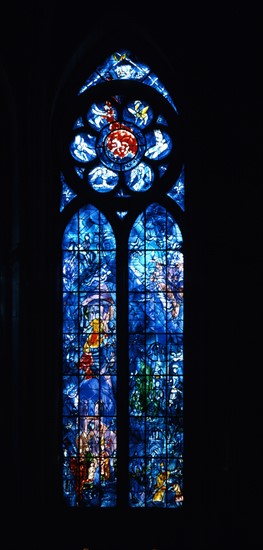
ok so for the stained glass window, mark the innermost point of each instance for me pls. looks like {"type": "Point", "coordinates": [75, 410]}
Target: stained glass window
{"type": "Point", "coordinates": [122, 269]}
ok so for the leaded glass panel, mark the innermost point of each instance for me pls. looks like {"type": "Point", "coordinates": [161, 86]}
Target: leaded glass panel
{"type": "Point", "coordinates": [122, 190]}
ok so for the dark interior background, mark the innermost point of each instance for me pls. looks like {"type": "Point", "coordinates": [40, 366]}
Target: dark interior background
{"type": "Point", "coordinates": [215, 51]}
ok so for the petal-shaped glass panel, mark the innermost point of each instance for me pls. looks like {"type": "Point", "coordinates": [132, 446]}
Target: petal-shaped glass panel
{"type": "Point", "coordinates": [159, 144]}
{"type": "Point", "coordinates": [102, 179]}
{"type": "Point", "coordinates": [101, 114]}
{"type": "Point", "coordinates": [83, 147]}
{"type": "Point", "coordinates": [139, 112]}
{"type": "Point", "coordinates": [140, 178]}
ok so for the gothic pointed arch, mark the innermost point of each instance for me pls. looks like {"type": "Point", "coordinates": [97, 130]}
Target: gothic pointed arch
{"type": "Point", "coordinates": [120, 172]}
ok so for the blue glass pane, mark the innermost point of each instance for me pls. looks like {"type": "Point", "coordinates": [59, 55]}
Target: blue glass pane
{"type": "Point", "coordinates": [140, 178]}
{"type": "Point", "coordinates": [119, 66]}
{"type": "Point", "coordinates": [122, 214]}
{"type": "Point", "coordinates": [177, 191]}
{"type": "Point", "coordinates": [162, 169]}
{"type": "Point", "coordinates": [101, 114]}
{"type": "Point", "coordinates": [123, 65]}
{"type": "Point", "coordinates": [162, 120]}
{"type": "Point", "coordinates": [83, 147]}
{"type": "Point", "coordinates": [79, 123]}
{"type": "Point", "coordinates": [153, 81]}
{"type": "Point", "coordinates": [156, 360]}
{"type": "Point", "coordinates": [79, 171]}
{"type": "Point", "coordinates": [102, 179]}
{"type": "Point", "coordinates": [159, 145]}
{"type": "Point", "coordinates": [138, 112]}
{"type": "Point", "coordinates": [89, 361]}
{"type": "Point", "coordinates": [67, 194]}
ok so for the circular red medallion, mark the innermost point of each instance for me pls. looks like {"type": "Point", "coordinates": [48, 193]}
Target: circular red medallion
{"type": "Point", "coordinates": [122, 143]}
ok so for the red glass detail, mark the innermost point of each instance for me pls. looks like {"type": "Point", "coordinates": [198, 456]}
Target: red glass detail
{"type": "Point", "coordinates": [109, 112]}
{"type": "Point", "coordinates": [121, 141]}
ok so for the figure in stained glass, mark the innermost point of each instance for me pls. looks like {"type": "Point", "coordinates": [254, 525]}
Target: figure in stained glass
{"type": "Point", "coordinates": [122, 331]}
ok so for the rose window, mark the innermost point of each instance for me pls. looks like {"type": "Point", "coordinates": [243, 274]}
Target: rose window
{"type": "Point", "coordinates": [121, 143]}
